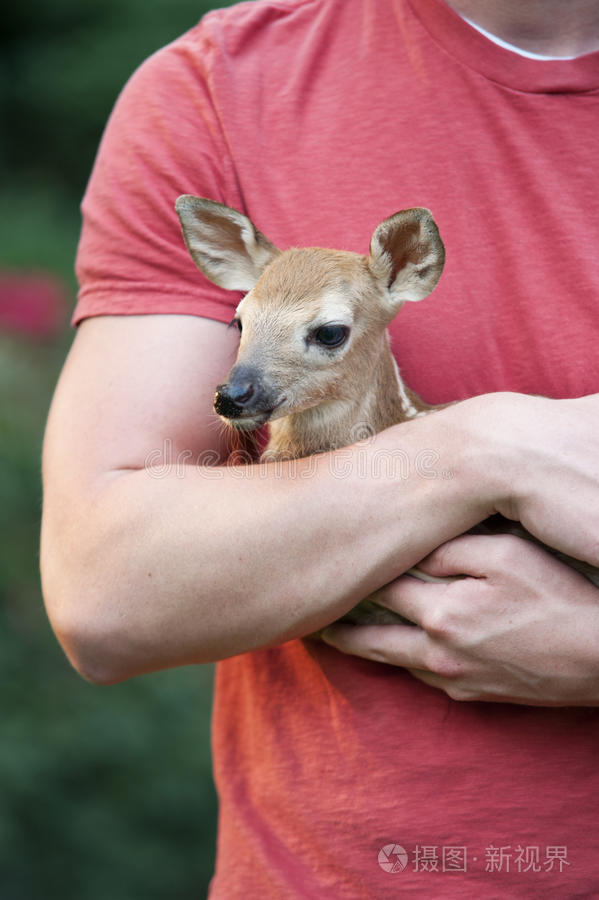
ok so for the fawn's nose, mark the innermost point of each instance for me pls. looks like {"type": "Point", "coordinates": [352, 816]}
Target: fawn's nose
{"type": "Point", "coordinates": [231, 403]}
{"type": "Point", "coordinates": [240, 392]}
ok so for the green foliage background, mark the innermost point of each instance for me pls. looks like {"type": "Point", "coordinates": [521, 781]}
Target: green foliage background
{"type": "Point", "coordinates": [105, 793]}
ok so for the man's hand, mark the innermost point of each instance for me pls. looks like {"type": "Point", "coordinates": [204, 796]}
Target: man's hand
{"type": "Point", "coordinates": [521, 627]}
{"type": "Point", "coordinates": [539, 461]}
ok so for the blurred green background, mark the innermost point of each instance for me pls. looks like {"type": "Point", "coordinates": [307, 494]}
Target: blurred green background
{"type": "Point", "coordinates": [105, 793]}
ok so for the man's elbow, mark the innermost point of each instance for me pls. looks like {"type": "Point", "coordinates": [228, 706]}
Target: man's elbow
{"type": "Point", "coordinates": [90, 652]}
{"type": "Point", "coordinates": [83, 614]}
{"type": "Point", "coordinates": [85, 632]}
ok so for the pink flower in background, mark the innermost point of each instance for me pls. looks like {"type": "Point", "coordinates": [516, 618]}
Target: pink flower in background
{"type": "Point", "coordinates": [33, 303]}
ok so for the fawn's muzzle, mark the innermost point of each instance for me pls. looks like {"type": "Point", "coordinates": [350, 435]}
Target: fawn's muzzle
{"type": "Point", "coordinates": [232, 403]}
{"type": "Point", "coordinates": [243, 396]}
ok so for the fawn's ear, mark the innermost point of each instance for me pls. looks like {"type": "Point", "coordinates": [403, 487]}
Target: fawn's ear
{"type": "Point", "coordinates": [407, 255]}
{"type": "Point", "coordinates": [224, 244]}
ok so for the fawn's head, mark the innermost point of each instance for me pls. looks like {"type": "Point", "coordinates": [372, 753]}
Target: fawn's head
{"type": "Point", "coordinates": [313, 321]}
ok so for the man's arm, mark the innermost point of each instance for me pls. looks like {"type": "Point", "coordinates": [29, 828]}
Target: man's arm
{"type": "Point", "coordinates": [522, 626]}
{"type": "Point", "coordinates": [145, 570]}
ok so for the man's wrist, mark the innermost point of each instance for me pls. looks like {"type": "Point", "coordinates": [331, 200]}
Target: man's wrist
{"type": "Point", "coordinates": [516, 449]}
{"type": "Point", "coordinates": [486, 451]}
{"type": "Point", "coordinates": [455, 453]}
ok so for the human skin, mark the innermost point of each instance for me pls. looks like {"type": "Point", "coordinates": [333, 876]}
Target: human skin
{"type": "Point", "coordinates": [520, 628]}
{"type": "Point", "coordinates": [147, 570]}
{"type": "Point", "coordinates": [547, 27]}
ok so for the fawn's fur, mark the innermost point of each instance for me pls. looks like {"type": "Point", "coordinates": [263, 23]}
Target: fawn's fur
{"type": "Point", "coordinates": [315, 395]}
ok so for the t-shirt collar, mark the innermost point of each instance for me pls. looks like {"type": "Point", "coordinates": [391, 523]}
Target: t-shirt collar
{"type": "Point", "coordinates": [471, 48]}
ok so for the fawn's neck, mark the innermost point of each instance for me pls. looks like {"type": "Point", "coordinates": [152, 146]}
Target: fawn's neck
{"type": "Point", "coordinates": [384, 400]}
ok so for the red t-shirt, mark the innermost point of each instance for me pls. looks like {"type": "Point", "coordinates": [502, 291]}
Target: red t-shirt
{"type": "Point", "coordinates": [319, 118]}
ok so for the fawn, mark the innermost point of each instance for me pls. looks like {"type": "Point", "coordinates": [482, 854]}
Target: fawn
{"type": "Point", "coordinates": [314, 359]}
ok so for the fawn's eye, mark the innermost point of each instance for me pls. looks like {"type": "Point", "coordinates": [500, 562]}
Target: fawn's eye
{"type": "Point", "coordinates": [331, 335]}
{"type": "Point", "coordinates": [237, 323]}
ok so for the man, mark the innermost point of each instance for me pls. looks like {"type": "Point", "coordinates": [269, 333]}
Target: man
{"type": "Point", "coordinates": [318, 118]}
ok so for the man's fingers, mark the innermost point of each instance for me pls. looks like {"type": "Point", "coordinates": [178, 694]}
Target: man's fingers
{"type": "Point", "coordinates": [398, 645]}
{"type": "Point", "coordinates": [410, 597]}
{"type": "Point", "coordinates": [461, 556]}
{"type": "Point", "coordinates": [468, 554]}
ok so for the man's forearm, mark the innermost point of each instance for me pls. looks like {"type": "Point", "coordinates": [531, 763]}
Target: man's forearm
{"type": "Point", "coordinates": [152, 572]}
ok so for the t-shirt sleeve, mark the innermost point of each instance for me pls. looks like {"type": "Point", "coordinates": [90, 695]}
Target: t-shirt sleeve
{"type": "Point", "coordinates": [163, 139]}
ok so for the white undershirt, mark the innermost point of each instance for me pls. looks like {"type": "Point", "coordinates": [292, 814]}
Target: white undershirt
{"type": "Point", "coordinates": [506, 46]}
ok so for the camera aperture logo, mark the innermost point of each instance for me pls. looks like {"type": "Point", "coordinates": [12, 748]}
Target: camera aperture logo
{"type": "Point", "coordinates": [393, 858]}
